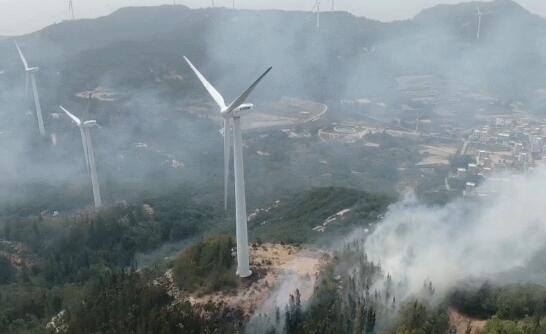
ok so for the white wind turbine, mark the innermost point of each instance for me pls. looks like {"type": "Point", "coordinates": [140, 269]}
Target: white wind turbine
{"type": "Point", "coordinates": [316, 9]}
{"type": "Point", "coordinates": [89, 153]}
{"type": "Point", "coordinates": [479, 13]}
{"type": "Point", "coordinates": [232, 114]}
{"type": "Point", "coordinates": [31, 80]}
{"type": "Point", "coordinates": [71, 10]}
{"type": "Point", "coordinates": [333, 5]}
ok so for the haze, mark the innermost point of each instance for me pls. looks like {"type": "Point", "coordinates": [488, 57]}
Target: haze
{"type": "Point", "coordinates": [394, 171]}
{"type": "Point", "coordinates": [24, 16]}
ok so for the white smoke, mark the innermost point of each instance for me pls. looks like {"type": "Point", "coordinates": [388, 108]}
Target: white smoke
{"type": "Point", "coordinates": [469, 238]}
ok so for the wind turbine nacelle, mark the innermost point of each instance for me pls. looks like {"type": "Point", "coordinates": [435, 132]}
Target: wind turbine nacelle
{"type": "Point", "coordinates": [90, 123]}
{"type": "Point", "coordinates": [243, 108]}
{"type": "Point", "coordinates": [33, 69]}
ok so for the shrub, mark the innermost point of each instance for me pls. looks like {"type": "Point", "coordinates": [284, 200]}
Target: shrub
{"type": "Point", "coordinates": [207, 265]}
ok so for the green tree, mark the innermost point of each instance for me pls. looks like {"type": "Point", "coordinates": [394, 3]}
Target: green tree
{"type": "Point", "coordinates": [7, 271]}
{"type": "Point", "coordinates": [208, 265]}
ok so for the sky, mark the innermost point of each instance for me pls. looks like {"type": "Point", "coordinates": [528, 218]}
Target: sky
{"type": "Point", "coordinates": [24, 16]}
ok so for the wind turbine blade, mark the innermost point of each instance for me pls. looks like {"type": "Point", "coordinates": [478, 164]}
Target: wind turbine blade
{"type": "Point", "coordinates": [75, 119]}
{"type": "Point", "coordinates": [22, 56]}
{"type": "Point", "coordinates": [241, 99]}
{"type": "Point", "coordinates": [227, 158]}
{"type": "Point", "coordinates": [210, 88]}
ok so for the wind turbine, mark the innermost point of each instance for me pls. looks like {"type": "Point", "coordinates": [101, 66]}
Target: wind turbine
{"type": "Point", "coordinates": [316, 9]}
{"type": "Point", "coordinates": [31, 79]}
{"type": "Point", "coordinates": [71, 10]}
{"type": "Point", "coordinates": [333, 5]}
{"type": "Point", "coordinates": [232, 114]}
{"type": "Point", "coordinates": [212, 3]}
{"type": "Point", "coordinates": [89, 153]}
{"type": "Point", "coordinates": [479, 12]}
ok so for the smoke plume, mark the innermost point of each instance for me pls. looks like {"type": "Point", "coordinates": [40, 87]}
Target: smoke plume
{"type": "Point", "coordinates": [495, 237]}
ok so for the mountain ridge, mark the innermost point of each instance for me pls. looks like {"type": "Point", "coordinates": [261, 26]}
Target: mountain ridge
{"type": "Point", "coordinates": [349, 55]}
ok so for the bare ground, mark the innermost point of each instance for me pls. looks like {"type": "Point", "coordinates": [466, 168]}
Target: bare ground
{"type": "Point", "coordinates": [464, 324]}
{"type": "Point", "coordinates": [270, 264]}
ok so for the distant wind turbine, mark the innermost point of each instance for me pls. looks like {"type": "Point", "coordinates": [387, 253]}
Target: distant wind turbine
{"type": "Point", "coordinates": [479, 12]}
{"type": "Point", "coordinates": [31, 80]}
{"type": "Point", "coordinates": [89, 153]}
{"type": "Point", "coordinates": [212, 3]}
{"type": "Point", "coordinates": [316, 9]}
{"type": "Point", "coordinates": [71, 10]}
{"type": "Point", "coordinates": [333, 5]}
{"type": "Point", "coordinates": [232, 114]}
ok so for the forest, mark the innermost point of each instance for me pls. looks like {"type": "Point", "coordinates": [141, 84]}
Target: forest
{"type": "Point", "coordinates": [55, 261]}
{"type": "Point", "coordinates": [77, 273]}
{"type": "Point", "coordinates": [53, 266]}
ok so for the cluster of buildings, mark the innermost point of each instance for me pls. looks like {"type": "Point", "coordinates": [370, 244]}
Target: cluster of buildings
{"type": "Point", "coordinates": [509, 143]}
{"type": "Point", "coordinates": [506, 144]}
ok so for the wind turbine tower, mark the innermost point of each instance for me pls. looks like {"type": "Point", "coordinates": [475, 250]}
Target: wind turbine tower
{"type": "Point", "coordinates": [31, 80]}
{"type": "Point", "coordinates": [479, 13]}
{"type": "Point", "coordinates": [89, 153]}
{"type": "Point", "coordinates": [333, 5]}
{"type": "Point", "coordinates": [71, 10]}
{"type": "Point", "coordinates": [232, 123]}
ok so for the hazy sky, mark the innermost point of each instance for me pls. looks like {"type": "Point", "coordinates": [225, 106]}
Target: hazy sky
{"type": "Point", "coordinates": [22, 16]}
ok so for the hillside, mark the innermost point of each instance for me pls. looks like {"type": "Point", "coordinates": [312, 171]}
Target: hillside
{"type": "Point", "coordinates": [316, 214]}
{"type": "Point", "coordinates": [156, 103]}
{"type": "Point", "coordinates": [354, 118]}
{"type": "Point", "coordinates": [135, 46]}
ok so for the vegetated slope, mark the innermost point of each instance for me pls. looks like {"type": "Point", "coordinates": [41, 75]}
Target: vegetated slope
{"type": "Point", "coordinates": [349, 56]}
{"type": "Point", "coordinates": [207, 265]}
{"type": "Point", "coordinates": [51, 262]}
{"type": "Point", "coordinates": [296, 218]}
{"type": "Point", "coordinates": [510, 38]}
{"type": "Point", "coordinates": [354, 295]}
{"type": "Point", "coordinates": [153, 40]}
{"type": "Point", "coordinates": [126, 302]}
{"type": "Point", "coordinates": [510, 302]}
{"type": "Point", "coordinates": [74, 248]}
